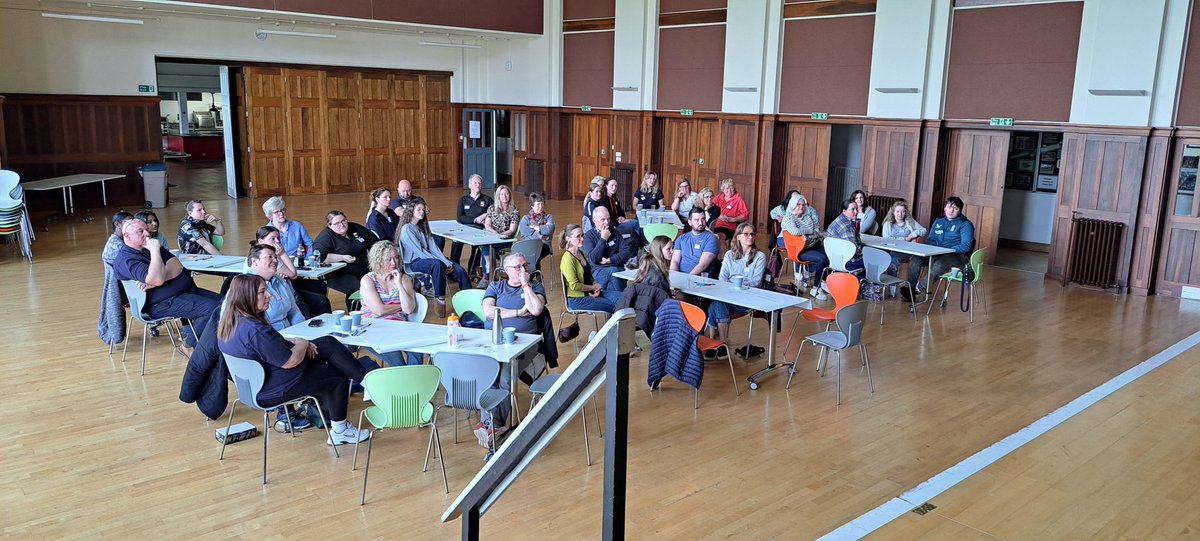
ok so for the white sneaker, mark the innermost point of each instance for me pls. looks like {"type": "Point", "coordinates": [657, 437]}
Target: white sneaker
{"type": "Point", "coordinates": [819, 295]}
{"type": "Point", "coordinates": [349, 435]}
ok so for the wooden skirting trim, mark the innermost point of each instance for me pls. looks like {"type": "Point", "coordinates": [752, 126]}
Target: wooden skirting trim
{"type": "Point", "coordinates": [59, 99]}
{"type": "Point", "coordinates": [1187, 133]}
{"type": "Point", "coordinates": [825, 8]}
{"type": "Point", "coordinates": [584, 25]}
{"type": "Point", "coordinates": [707, 16]}
{"type": "Point", "coordinates": [986, 3]}
{"type": "Point", "coordinates": [325, 67]}
{"type": "Point", "coordinates": [1025, 245]}
{"type": "Point", "coordinates": [115, 157]}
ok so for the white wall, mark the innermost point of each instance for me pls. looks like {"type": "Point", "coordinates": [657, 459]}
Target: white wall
{"type": "Point", "coordinates": [900, 57]}
{"type": "Point", "coordinates": [73, 57]}
{"type": "Point", "coordinates": [1027, 216]}
{"type": "Point", "coordinates": [635, 54]}
{"type": "Point", "coordinates": [747, 31]}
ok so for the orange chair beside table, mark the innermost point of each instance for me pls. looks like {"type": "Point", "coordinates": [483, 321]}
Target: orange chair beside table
{"type": "Point", "coordinates": [696, 319]}
{"type": "Point", "coordinates": [794, 244]}
{"type": "Point", "coordinates": [844, 289]}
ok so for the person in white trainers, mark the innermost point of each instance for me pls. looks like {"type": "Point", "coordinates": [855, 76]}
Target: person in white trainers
{"type": "Point", "coordinates": [243, 332]}
{"type": "Point", "coordinates": [801, 219]}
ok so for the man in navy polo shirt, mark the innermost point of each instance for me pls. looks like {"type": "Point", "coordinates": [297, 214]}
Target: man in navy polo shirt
{"type": "Point", "coordinates": [695, 250]}
{"type": "Point", "coordinates": [170, 291]}
{"type": "Point", "coordinates": [607, 250]}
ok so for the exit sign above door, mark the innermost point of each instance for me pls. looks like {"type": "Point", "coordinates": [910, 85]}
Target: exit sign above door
{"type": "Point", "coordinates": [1000, 122]}
{"type": "Point", "coordinates": [585, 108]}
{"type": "Point", "coordinates": [819, 116]}
{"type": "Point", "coordinates": [686, 112]}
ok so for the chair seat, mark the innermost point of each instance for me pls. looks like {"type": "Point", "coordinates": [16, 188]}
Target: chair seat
{"type": "Point", "coordinates": [819, 314]}
{"type": "Point", "coordinates": [492, 398]}
{"type": "Point", "coordinates": [889, 281]}
{"type": "Point", "coordinates": [586, 312]}
{"type": "Point", "coordinates": [544, 383]}
{"type": "Point", "coordinates": [832, 339]}
{"type": "Point", "coordinates": [950, 278]}
{"type": "Point", "coordinates": [705, 343]}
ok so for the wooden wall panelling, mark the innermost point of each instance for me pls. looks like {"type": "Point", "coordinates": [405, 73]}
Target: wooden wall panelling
{"type": "Point", "coordinates": [519, 139]}
{"type": "Point", "coordinates": [589, 151]}
{"type": "Point", "coordinates": [53, 135]}
{"type": "Point", "coordinates": [765, 193]}
{"type": "Point", "coordinates": [406, 129]}
{"type": "Point", "coordinates": [1101, 177]}
{"type": "Point", "coordinates": [438, 139]}
{"type": "Point", "coordinates": [307, 150]}
{"type": "Point", "coordinates": [343, 136]}
{"type": "Point", "coordinates": [1179, 255]}
{"type": "Point", "coordinates": [976, 162]}
{"type": "Point", "coordinates": [558, 174]}
{"type": "Point", "coordinates": [739, 161]}
{"type": "Point", "coordinates": [3, 141]}
{"type": "Point", "coordinates": [706, 144]}
{"type": "Point", "coordinates": [806, 162]}
{"type": "Point", "coordinates": [627, 140]}
{"type": "Point", "coordinates": [267, 137]}
{"type": "Point", "coordinates": [889, 161]}
{"type": "Point", "coordinates": [375, 124]}
{"type": "Point", "coordinates": [930, 178]}
{"type": "Point", "coordinates": [1146, 233]}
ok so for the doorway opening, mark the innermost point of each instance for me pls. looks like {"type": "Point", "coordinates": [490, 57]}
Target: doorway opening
{"type": "Point", "coordinates": [845, 166]}
{"type": "Point", "coordinates": [197, 130]}
{"type": "Point", "coordinates": [1030, 197]}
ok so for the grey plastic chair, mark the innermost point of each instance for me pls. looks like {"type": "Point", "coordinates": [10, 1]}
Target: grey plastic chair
{"type": "Point", "coordinates": [468, 381]}
{"type": "Point", "coordinates": [839, 252]}
{"type": "Point", "coordinates": [248, 377]}
{"type": "Point", "coordinates": [532, 250]}
{"type": "Point", "coordinates": [542, 385]}
{"type": "Point", "coordinates": [877, 262]}
{"type": "Point", "coordinates": [137, 303]}
{"type": "Point", "coordinates": [849, 334]}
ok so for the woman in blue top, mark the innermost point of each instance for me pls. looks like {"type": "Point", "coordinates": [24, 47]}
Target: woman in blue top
{"type": "Point", "coordinates": [291, 233]}
{"type": "Point", "coordinates": [290, 366]}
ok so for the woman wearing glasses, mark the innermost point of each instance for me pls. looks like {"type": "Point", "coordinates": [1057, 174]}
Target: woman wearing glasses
{"type": "Point", "coordinates": [745, 260]}
{"type": "Point", "coordinates": [345, 242]}
{"type": "Point", "coordinates": [683, 201]}
{"type": "Point", "coordinates": [291, 233]}
{"type": "Point", "coordinates": [583, 293]}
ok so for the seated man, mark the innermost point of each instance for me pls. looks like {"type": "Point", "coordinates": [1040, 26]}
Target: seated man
{"type": "Point", "coordinates": [520, 304]}
{"type": "Point", "coordinates": [170, 291]}
{"type": "Point", "coordinates": [607, 251]}
{"type": "Point", "coordinates": [471, 211]}
{"type": "Point", "coordinates": [197, 229]}
{"type": "Point", "coordinates": [695, 250]}
{"type": "Point", "coordinates": [845, 227]}
{"type": "Point", "coordinates": [950, 231]}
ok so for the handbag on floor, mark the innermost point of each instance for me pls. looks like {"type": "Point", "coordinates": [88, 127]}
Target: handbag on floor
{"type": "Point", "coordinates": [568, 333]}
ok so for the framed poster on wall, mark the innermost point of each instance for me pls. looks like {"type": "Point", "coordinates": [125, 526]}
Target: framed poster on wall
{"type": "Point", "coordinates": [1047, 183]}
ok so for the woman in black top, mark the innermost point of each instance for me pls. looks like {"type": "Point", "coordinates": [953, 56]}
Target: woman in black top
{"type": "Point", "coordinates": [381, 220]}
{"type": "Point", "coordinates": [650, 195]}
{"type": "Point", "coordinates": [346, 242]}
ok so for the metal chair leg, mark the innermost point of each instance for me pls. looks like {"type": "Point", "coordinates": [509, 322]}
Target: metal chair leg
{"type": "Point", "coordinates": [366, 471]}
{"type": "Point", "coordinates": [227, 426]}
{"type": "Point", "coordinates": [867, 364]}
{"type": "Point", "coordinates": [587, 446]}
{"type": "Point", "coordinates": [729, 357]}
{"type": "Point", "coordinates": [145, 335]}
{"type": "Point", "coordinates": [839, 378]}
{"type": "Point", "coordinates": [266, 434]}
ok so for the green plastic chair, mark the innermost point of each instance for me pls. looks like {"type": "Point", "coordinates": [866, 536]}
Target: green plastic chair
{"type": "Point", "coordinates": [650, 231]}
{"type": "Point", "coordinates": [402, 397]}
{"type": "Point", "coordinates": [355, 300]}
{"type": "Point", "coordinates": [218, 242]}
{"type": "Point", "coordinates": [976, 263]}
{"type": "Point", "coordinates": [468, 300]}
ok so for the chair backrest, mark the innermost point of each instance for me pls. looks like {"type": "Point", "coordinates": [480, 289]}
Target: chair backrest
{"type": "Point", "coordinates": [876, 262]}
{"type": "Point", "coordinates": [404, 393]}
{"type": "Point", "coordinates": [422, 310]}
{"type": "Point", "coordinates": [530, 248]}
{"type": "Point", "coordinates": [794, 245]}
{"type": "Point", "coordinates": [468, 300]}
{"type": "Point", "coordinates": [465, 377]}
{"type": "Point", "coordinates": [137, 300]}
{"type": "Point", "coordinates": [248, 376]}
{"type": "Point", "coordinates": [218, 241]}
{"type": "Point", "coordinates": [976, 262]}
{"type": "Point", "coordinates": [651, 231]}
{"type": "Point", "coordinates": [844, 288]}
{"type": "Point", "coordinates": [694, 315]}
{"type": "Point", "coordinates": [840, 252]}
{"type": "Point", "coordinates": [10, 183]}
{"type": "Point", "coordinates": [850, 321]}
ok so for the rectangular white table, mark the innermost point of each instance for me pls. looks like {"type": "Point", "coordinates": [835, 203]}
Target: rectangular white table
{"type": "Point", "coordinates": [386, 336]}
{"type": "Point", "coordinates": [646, 217]}
{"type": "Point", "coordinates": [66, 183]}
{"type": "Point", "coordinates": [451, 229]}
{"type": "Point", "coordinates": [234, 264]}
{"type": "Point", "coordinates": [902, 246]}
{"type": "Point", "coordinates": [758, 299]}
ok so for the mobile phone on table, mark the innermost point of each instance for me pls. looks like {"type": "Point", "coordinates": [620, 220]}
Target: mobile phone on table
{"type": "Point", "coordinates": [316, 323]}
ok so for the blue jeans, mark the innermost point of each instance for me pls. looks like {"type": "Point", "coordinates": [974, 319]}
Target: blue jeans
{"type": "Point", "coordinates": [606, 302]}
{"type": "Point", "coordinates": [437, 270]}
{"type": "Point", "coordinates": [604, 278]}
{"type": "Point", "coordinates": [631, 227]}
{"type": "Point", "coordinates": [720, 312]}
{"type": "Point", "coordinates": [817, 256]}
{"type": "Point", "coordinates": [398, 358]}
{"type": "Point", "coordinates": [196, 306]}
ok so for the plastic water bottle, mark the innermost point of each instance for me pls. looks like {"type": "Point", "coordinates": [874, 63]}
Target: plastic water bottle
{"type": "Point", "coordinates": [315, 258]}
{"type": "Point", "coordinates": [453, 330]}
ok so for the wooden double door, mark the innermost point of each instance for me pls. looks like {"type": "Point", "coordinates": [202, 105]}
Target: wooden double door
{"type": "Point", "coordinates": [328, 131]}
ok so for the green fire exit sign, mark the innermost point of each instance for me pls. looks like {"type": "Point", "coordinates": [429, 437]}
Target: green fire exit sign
{"type": "Point", "coordinates": [1000, 122]}
{"type": "Point", "coordinates": [585, 108]}
{"type": "Point", "coordinates": [819, 116]}
{"type": "Point", "coordinates": [686, 112]}
{"type": "Point", "coordinates": [145, 89]}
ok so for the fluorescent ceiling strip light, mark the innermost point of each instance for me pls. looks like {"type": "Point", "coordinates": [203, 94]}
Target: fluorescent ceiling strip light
{"type": "Point", "coordinates": [625, 88]}
{"type": "Point", "coordinates": [741, 89]}
{"type": "Point", "coordinates": [266, 31]}
{"type": "Point", "coordinates": [92, 18]}
{"type": "Point", "coordinates": [449, 45]}
{"type": "Point", "coordinates": [896, 90]}
{"type": "Point", "coordinates": [1111, 92]}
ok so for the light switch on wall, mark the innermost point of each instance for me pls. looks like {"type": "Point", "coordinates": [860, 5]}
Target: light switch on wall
{"type": "Point", "coordinates": [618, 156]}
{"type": "Point", "coordinates": [700, 161]}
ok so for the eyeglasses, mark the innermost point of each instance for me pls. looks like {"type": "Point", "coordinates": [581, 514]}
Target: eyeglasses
{"type": "Point", "coordinates": [343, 222]}
{"type": "Point", "coordinates": [746, 233]}
{"type": "Point", "coordinates": [521, 266]}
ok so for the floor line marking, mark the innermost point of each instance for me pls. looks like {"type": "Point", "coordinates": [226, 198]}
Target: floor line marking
{"type": "Point", "coordinates": [896, 507]}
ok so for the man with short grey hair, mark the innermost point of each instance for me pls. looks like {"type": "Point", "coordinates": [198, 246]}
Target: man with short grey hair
{"type": "Point", "coordinates": [471, 211]}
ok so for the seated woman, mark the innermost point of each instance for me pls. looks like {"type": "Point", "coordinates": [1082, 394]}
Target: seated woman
{"type": "Point", "coordinates": [733, 210]}
{"type": "Point", "coordinates": [683, 201]}
{"type": "Point", "coordinates": [313, 297]}
{"type": "Point", "coordinates": [745, 260]}
{"type": "Point", "coordinates": [501, 219]}
{"type": "Point", "coordinates": [151, 221]}
{"type": "Point", "coordinates": [778, 212]}
{"type": "Point", "coordinates": [538, 224]}
{"type": "Point", "coordinates": [421, 254]}
{"type": "Point", "coordinates": [346, 242]}
{"type": "Point", "coordinates": [649, 195]}
{"type": "Point", "coordinates": [628, 226]}
{"type": "Point", "coordinates": [388, 293]}
{"type": "Point", "coordinates": [594, 199]}
{"type": "Point", "coordinates": [704, 201]}
{"type": "Point", "coordinates": [802, 219]}
{"type": "Point", "coordinates": [582, 291]}
{"type": "Point", "coordinates": [652, 283]}
{"type": "Point", "coordinates": [866, 214]}
{"type": "Point", "coordinates": [899, 225]}
{"type": "Point", "coordinates": [292, 370]}
{"type": "Point", "coordinates": [291, 233]}
{"type": "Point", "coordinates": [381, 219]}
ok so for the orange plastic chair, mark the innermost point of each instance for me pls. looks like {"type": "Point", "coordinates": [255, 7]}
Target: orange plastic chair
{"type": "Point", "coordinates": [696, 319]}
{"type": "Point", "coordinates": [794, 244]}
{"type": "Point", "coordinates": [844, 289]}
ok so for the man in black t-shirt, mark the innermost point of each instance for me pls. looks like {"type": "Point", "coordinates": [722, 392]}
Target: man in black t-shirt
{"type": "Point", "coordinates": [471, 210]}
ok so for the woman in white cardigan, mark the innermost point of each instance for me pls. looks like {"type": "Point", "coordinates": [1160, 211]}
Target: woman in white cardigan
{"type": "Point", "coordinates": [898, 224]}
{"type": "Point", "coordinates": [745, 260]}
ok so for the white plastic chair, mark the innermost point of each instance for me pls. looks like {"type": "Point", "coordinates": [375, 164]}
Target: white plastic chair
{"type": "Point", "coordinates": [137, 303]}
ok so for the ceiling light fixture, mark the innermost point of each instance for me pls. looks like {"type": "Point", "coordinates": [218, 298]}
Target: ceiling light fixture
{"type": "Point", "coordinates": [92, 18]}
{"type": "Point", "coordinates": [897, 90]}
{"type": "Point", "coordinates": [449, 45]}
{"type": "Point", "coordinates": [262, 34]}
{"type": "Point", "coordinates": [1116, 92]}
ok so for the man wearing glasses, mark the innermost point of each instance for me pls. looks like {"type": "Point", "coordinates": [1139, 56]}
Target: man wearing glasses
{"type": "Point", "coordinates": [520, 303]}
{"type": "Point", "coordinates": [607, 250]}
{"type": "Point", "coordinates": [347, 242]}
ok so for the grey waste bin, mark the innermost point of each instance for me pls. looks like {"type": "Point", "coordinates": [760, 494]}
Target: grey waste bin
{"type": "Point", "coordinates": [154, 182]}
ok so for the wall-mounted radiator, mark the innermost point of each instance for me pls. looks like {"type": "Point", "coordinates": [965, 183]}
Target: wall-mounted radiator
{"type": "Point", "coordinates": [1094, 254]}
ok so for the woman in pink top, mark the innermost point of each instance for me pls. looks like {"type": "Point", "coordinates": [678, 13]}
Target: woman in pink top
{"type": "Point", "coordinates": [733, 209]}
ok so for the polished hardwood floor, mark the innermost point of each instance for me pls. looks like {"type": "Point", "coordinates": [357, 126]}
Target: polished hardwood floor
{"type": "Point", "coordinates": [95, 450]}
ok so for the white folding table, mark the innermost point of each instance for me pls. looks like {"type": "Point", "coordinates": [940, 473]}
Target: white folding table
{"type": "Point", "coordinates": [66, 183]}
{"type": "Point", "coordinates": [646, 217]}
{"type": "Point", "coordinates": [451, 229]}
{"type": "Point", "coordinates": [234, 264]}
{"type": "Point", "coordinates": [902, 246]}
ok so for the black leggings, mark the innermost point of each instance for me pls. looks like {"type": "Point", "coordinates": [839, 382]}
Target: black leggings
{"type": "Point", "coordinates": [326, 383]}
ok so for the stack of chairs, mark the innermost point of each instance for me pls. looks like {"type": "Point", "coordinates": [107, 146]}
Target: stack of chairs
{"type": "Point", "coordinates": [14, 219]}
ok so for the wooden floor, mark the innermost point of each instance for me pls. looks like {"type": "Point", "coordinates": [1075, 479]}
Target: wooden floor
{"type": "Point", "coordinates": [95, 450]}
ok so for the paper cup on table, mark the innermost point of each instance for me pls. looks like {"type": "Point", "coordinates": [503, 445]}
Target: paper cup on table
{"type": "Point", "coordinates": [356, 318]}
{"type": "Point", "coordinates": [345, 323]}
{"type": "Point", "coordinates": [737, 280]}
{"type": "Point", "coordinates": [510, 335]}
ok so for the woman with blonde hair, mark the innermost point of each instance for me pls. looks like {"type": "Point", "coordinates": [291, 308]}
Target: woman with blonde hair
{"type": "Point", "coordinates": [583, 293]}
{"type": "Point", "coordinates": [898, 224]}
{"type": "Point", "coordinates": [649, 194]}
{"type": "Point", "coordinates": [502, 219]}
{"type": "Point", "coordinates": [705, 202]}
{"type": "Point", "coordinates": [388, 293]}
{"type": "Point", "coordinates": [421, 254]}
